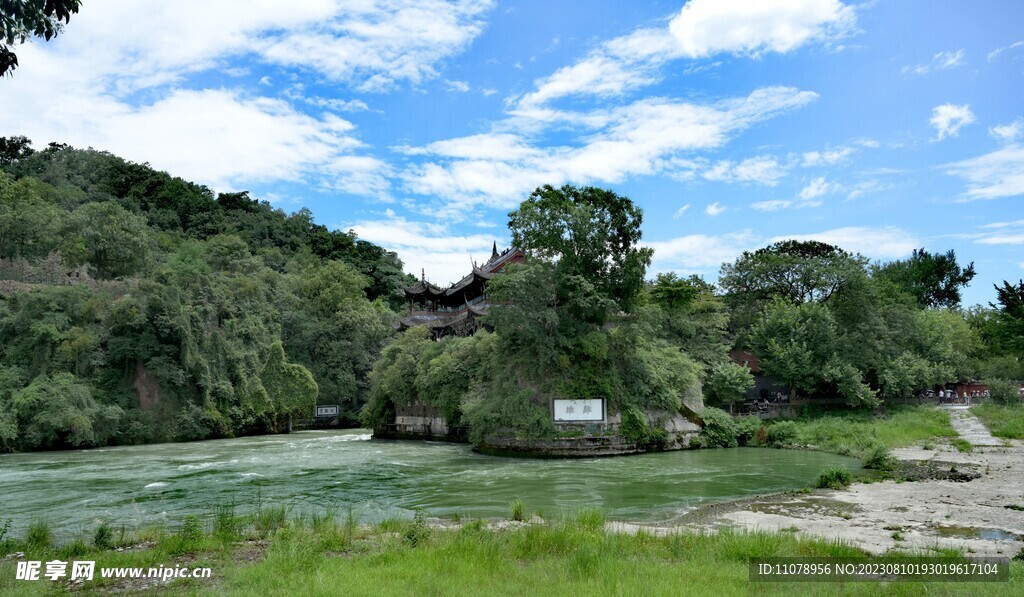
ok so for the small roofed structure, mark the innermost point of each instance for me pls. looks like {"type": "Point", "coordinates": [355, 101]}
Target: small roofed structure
{"type": "Point", "coordinates": [456, 310]}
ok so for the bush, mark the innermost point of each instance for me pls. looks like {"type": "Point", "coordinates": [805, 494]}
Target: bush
{"type": "Point", "coordinates": [103, 538]}
{"type": "Point", "coordinates": [1004, 391]}
{"type": "Point", "coordinates": [750, 431]}
{"type": "Point", "coordinates": [720, 430]}
{"type": "Point", "coordinates": [880, 459]}
{"type": "Point", "coordinates": [834, 478]}
{"type": "Point", "coordinates": [782, 434]}
{"type": "Point", "coordinates": [417, 532]}
{"type": "Point", "coordinates": [634, 424]}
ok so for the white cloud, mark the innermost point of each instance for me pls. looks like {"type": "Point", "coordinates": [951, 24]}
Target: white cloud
{"type": "Point", "coordinates": [1004, 224]}
{"type": "Point", "coordinates": [948, 119]}
{"type": "Point", "coordinates": [1002, 239]}
{"type": "Point", "coordinates": [488, 91]}
{"type": "Point", "coordinates": [714, 209]}
{"type": "Point", "coordinates": [996, 52]}
{"type": "Point", "coordinates": [1008, 133]}
{"type": "Point", "coordinates": [816, 188]}
{"type": "Point", "coordinates": [458, 86]}
{"type": "Point", "coordinates": [701, 28]}
{"type": "Point", "coordinates": [884, 242]}
{"type": "Point", "coordinates": [681, 211]}
{"type": "Point", "coordinates": [243, 139]}
{"type": "Point", "coordinates": [698, 252]}
{"type": "Point", "coordinates": [764, 170]}
{"type": "Point", "coordinates": [772, 205]}
{"type": "Point", "coordinates": [992, 175]}
{"type": "Point", "coordinates": [445, 257]}
{"type": "Point", "coordinates": [705, 27]}
{"type": "Point", "coordinates": [642, 138]}
{"type": "Point", "coordinates": [940, 61]}
{"type": "Point", "coordinates": [828, 157]}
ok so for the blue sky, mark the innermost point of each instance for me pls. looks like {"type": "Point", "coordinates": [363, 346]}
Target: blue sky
{"type": "Point", "coordinates": [880, 126]}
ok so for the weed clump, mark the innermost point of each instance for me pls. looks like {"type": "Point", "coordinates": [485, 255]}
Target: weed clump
{"type": "Point", "coordinates": [834, 478]}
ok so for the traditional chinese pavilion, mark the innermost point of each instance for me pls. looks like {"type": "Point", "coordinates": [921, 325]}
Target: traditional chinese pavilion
{"type": "Point", "coordinates": [456, 310]}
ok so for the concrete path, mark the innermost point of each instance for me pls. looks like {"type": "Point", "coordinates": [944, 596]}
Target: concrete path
{"type": "Point", "coordinates": [969, 427]}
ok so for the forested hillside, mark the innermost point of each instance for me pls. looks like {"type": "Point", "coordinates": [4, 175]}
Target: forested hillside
{"type": "Point", "coordinates": [136, 306]}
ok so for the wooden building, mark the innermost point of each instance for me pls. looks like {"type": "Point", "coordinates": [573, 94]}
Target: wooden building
{"type": "Point", "coordinates": [456, 310]}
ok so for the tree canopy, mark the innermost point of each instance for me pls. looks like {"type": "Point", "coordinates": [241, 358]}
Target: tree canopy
{"type": "Point", "coordinates": [22, 19]}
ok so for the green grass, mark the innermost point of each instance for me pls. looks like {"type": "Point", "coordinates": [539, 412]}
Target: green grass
{"type": "Point", "coordinates": [574, 556]}
{"type": "Point", "coordinates": [862, 434]}
{"type": "Point", "coordinates": [1002, 421]}
{"type": "Point", "coordinates": [962, 445]}
{"type": "Point", "coordinates": [834, 478]}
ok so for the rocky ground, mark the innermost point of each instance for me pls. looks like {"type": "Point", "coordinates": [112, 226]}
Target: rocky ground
{"type": "Point", "coordinates": [971, 501]}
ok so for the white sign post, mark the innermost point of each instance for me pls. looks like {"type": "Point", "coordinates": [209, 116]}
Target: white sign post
{"type": "Point", "coordinates": [579, 411]}
{"type": "Point", "coordinates": [326, 410]}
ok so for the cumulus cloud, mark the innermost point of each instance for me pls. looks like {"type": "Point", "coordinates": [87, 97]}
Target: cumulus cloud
{"type": "Point", "coordinates": [816, 188]}
{"type": "Point", "coordinates": [715, 209]}
{"type": "Point", "coordinates": [885, 242]}
{"type": "Point", "coordinates": [119, 70]}
{"type": "Point", "coordinates": [699, 252]}
{"type": "Point", "coordinates": [829, 157]}
{"type": "Point", "coordinates": [1008, 133]}
{"type": "Point", "coordinates": [764, 170]}
{"type": "Point", "coordinates": [641, 138]}
{"type": "Point", "coordinates": [992, 175]}
{"type": "Point", "coordinates": [702, 28]}
{"type": "Point", "coordinates": [429, 248]}
{"type": "Point", "coordinates": [948, 119]}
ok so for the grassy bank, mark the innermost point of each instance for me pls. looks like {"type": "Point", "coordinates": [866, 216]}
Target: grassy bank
{"type": "Point", "coordinates": [1002, 421]}
{"type": "Point", "coordinates": [324, 555]}
{"type": "Point", "coordinates": [850, 433]}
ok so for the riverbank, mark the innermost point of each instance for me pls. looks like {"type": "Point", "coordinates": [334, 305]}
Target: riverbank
{"type": "Point", "coordinates": [982, 517]}
{"type": "Point", "coordinates": [326, 554]}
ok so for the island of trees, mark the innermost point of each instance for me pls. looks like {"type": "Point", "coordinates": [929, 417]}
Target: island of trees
{"type": "Point", "coordinates": [138, 307]}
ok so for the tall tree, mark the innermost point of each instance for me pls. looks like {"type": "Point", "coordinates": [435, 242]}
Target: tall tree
{"type": "Point", "coordinates": [797, 271]}
{"type": "Point", "coordinates": [932, 279]}
{"type": "Point", "coordinates": [591, 235]}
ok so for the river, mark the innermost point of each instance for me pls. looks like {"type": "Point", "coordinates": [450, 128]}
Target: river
{"type": "Point", "coordinates": [378, 479]}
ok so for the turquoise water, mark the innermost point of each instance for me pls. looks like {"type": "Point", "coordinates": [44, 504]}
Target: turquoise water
{"type": "Point", "coordinates": [162, 483]}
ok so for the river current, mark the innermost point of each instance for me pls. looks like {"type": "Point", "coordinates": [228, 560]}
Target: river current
{"type": "Point", "coordinates": [377, 479]}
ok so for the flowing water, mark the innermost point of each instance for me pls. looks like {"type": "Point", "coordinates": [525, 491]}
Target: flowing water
{"type": "Point", "coordinates": [311, 471]}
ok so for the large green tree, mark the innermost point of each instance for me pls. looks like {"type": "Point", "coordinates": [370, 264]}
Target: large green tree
{"type": "Point", "coordinates": [592, 236]}
{"type": "Point", "coordinates": [931, 279]}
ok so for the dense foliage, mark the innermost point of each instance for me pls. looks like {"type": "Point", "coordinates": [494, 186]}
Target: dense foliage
{"type": "Point", "coordinates": [135, 306]}
{"type": "Point", "coordinates": [575, 321]}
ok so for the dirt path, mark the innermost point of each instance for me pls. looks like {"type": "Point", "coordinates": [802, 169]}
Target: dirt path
{"type": "Point", "coordinates": [971, 516]}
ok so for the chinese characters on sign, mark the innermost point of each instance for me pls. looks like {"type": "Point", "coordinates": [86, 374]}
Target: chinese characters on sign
{"type": "Point", "coordinates": [579, 410]}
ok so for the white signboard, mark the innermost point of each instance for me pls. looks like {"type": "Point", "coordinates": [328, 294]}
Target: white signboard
{"type": "Point", "coordinates": [327, 411]}
{"type": "Point", "coordinates": [579, 410]}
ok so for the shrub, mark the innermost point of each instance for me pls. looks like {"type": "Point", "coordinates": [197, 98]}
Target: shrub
{"type": "Point", "coordinates": [834, 478]}
{"type": "Point", "coordinates": [1004, 391]}
{"type": "Point", "coordinates": [192, 531]}
{"type": "Point", "coordinates": [750, 431]}
{"type": "Point", "coordinates": [719, 429]}
{"type": "Point", "coordinates": [782, 434]}
{"type": "Point", "coordinates": [103, 538]}
{"type": "Point", "coordinates": [879, 459]}
{"type": "Point", "coordinates": [634, 424]}
{"type": "Point", "coordinates": [417, 532]}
